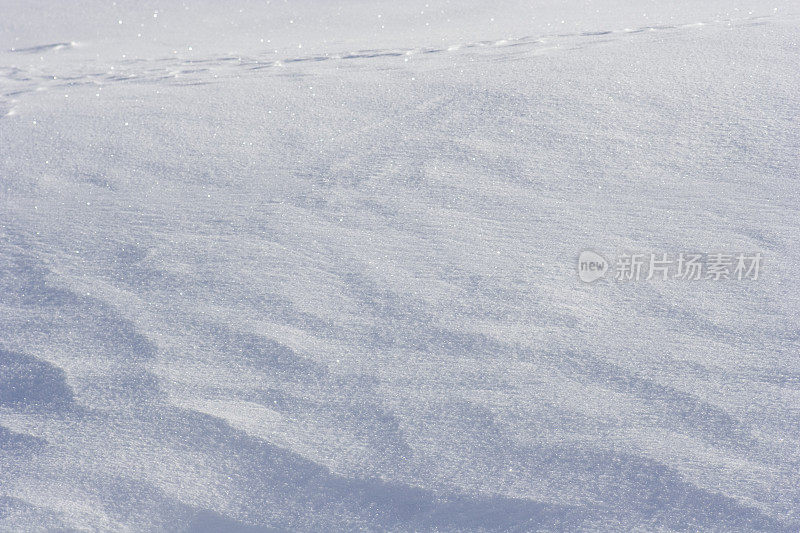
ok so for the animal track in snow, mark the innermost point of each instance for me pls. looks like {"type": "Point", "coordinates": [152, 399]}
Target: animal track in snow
{"type": "Point", "coordinates": [16, 82]}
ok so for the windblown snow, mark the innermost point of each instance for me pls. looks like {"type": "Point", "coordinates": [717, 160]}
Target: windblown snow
{"type": "Point", "coordinates": [311, 265]}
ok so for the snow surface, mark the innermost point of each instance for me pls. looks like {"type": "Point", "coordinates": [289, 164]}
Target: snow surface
{"type": "Point", "coordinates": [311, 265]}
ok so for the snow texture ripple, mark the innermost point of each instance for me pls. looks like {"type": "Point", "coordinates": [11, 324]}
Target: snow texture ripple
{"type": "Point", "coordinates": [311, 266]}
